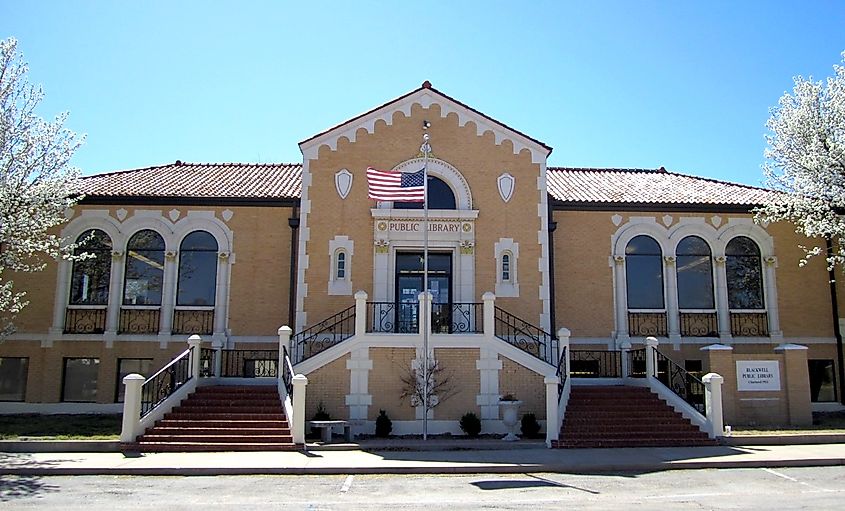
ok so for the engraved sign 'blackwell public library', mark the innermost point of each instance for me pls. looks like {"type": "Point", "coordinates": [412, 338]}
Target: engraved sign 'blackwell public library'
{"type": "Point", "coordinates": [757, 375]}
{"type": "Point", "coordinates": [416, 226]}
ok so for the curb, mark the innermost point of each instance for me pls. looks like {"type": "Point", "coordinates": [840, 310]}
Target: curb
{"type": "Point", "coordinates": [474, 469]}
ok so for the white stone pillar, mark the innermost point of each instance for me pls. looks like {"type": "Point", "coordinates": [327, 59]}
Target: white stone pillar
{"type": "Point", "coordinates": [621, 296]}
{"type": "Point", "coordinates": [297, 422]}
{"type": "Point", "coordinates": [168, 292]}
{"type": "Point", "coordinates": [563, 335]}
{"type": "Point", "coordinates": [361, 312]}
{"type": "Point", "coordinates": [115, 293]}
{"type": "Point", "coordinates": [552, 417]}
{"type": "Point", "coordinates": [284, 344]}
{"type": "Point", "coordinates": [359, 399]}
{"type": "Point", "coordinates": [489, 300]}
{"type": "Point", "coordinates": [651, 344]}
{"type": "Point", "coordinates": [131, 426]}
{"type": "Point", "coordinates": [672, 311]}
{"type": "Point", "coordinates": [425, 313]}
{"type": "Point", "coordinates": [195, 343]}
{"type": "Point", "coordinates": [771, 297]}
{"type": "Point", "coordinates": [625, 347]}
{"type": "Point", "coordinates": [221, 298]}
{"type": "Point", "coordinates": [61, 300]}
{"type": "Point", "coordinates": [713, 404]}
{"type": "Point", "coordinates": [723, 313]}
{"type": "Point", "coordinates": [488, 366]}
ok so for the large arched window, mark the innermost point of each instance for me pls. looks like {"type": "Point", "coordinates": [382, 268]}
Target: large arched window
{"type": "Point", "coordinates": [744, 273]}
{"type": "Point", "coordinates": [644, 271]}
{"type": "Point", "coordinates": [144, 269]}
{"type": "Point", "coordinates": [197, 270]}
{"type": "Point", "coordinates": [440, 196]}
{"type": "Point", "coordinates": [89, 282]}
{"type": "Point", "coordinates": [695, 274]}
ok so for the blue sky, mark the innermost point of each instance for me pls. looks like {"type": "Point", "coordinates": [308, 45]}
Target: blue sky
{"type": "Point", "coordinates": [607, 84]}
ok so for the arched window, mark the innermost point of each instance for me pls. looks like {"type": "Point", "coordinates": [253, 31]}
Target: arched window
{"type": "Point", "coordinates": [695, 274]}
{"type": "Point", "coordinates": [506, 267]}
{"type": "Point", "coordinates": [644, 270]}
{"type": "Point", "coordinates": [197, 269]}
{"type": "Point", "coordinates": [440, 196]}
{"type": "Point", "coordinates": [745, 274]}
{"type": "Point", "coordinates": [340, 265]}
{"type": "Point", "coordinates": [144, 269]}
{"type": "Point", "coordinates": [89, 282]}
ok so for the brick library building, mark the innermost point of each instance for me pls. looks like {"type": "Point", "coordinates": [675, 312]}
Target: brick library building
{"type": "Point", "coordinates": [617, 307]}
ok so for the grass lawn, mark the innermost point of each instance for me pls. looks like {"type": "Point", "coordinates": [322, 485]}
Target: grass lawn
{"type": "Point", "coordinates": [823, 422]}
{"type": "Point", "coordinates": [60, 427]}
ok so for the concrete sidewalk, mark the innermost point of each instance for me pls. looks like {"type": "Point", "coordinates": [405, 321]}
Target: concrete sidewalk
{"type": "Point", "coordinates": [424, 461]}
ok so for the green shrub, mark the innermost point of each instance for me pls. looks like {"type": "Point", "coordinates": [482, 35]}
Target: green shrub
{"type": "Point", "coordinates": [320, 415]}
{"type": "Point", "coordinates": [383, 425]}
{"type": "Point", "coordinates": [471, 424]}
{"type": "Point", "coordinates": [530, 427]}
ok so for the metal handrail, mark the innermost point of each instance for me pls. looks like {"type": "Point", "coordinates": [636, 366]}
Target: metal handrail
{"type": "Point", "coordinates": [525, 336]}
{"type": "Point", "coordinates": [323, 335]}
{"type": "Point", "coordinates": [681, 382]}
{"type": "Point", "coordinates": [166, 381]}
{"type": "Point", "coordinates": [562, 372]}
{"type": "Point", "coordinates": [287, 373]}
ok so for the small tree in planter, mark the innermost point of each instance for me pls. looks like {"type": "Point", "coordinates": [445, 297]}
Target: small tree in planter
{"type": "Point", "coordinates": [414, 388]}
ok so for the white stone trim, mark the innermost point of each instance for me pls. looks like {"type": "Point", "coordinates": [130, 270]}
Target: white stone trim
{"type": "Point", "coordinates": [359, 398]}
{"type": "Point", "coordinates": [302, 254]}
{"type": "Point", "coordinates": [340, 245]}
{"type": "Point", "coordinates": [543, 239]}
{"type": "Point", "coordinates": [423, 97]}
{"type": "Point", "coordinates": [509, 288]}
{"type": "Point", "coordinates": [717, 239]}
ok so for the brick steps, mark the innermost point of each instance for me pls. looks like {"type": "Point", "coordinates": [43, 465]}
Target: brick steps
{"type": "Point", "coordinates": [222, 418]}
{"type": "Point", "coordinates": [617, 416]}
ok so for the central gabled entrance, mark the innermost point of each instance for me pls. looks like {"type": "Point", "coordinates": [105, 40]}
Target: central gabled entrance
{"type": "Point", "coordinates": [409, 285]}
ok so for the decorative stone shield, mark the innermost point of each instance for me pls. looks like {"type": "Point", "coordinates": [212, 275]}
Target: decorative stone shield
{"type": "Point", "coordinates": [506, 185]}
{"type": "Point", "coordinates": [343, 182]}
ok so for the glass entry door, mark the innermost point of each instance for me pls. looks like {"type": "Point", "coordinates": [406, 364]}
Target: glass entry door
{"type": "Point", "coordinates": [409, 285]}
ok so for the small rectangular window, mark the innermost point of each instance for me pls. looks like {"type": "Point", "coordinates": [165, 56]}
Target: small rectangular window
{"type": "Point", "coordinates": [13, 374]}
{"type": "Point", "coordinates": [80, 380]}
{"type": "Point", "coordinates": [125, 366]}
{"type": "Point", "coordinates": [694, 367]}
{"type": "Point", "coordinates": [822, 381]}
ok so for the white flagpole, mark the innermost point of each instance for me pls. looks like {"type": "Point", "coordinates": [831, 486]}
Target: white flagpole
{"type": "Point", "coordinates": [426, 148]}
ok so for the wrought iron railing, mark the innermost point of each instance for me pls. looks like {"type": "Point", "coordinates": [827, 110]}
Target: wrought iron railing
{"type": "Point", "coordinates": [595, 364]}
{"type": "Point", "coordinates": [637, 363]}
{"type": "Point", "coordinates": [457, 318]}
{"type": "Point", "coordinates": [166, 381]}
{"type": "Point", "coordinates": [193, 321]}
{"type": "Point", "coordinates": [85, 321]}
{"type": "Point", "coordinates": [680, 381]}
{"type": "Point", "coordinates": [287, 373]}
{"type": "Point", "coordinates": [749, 324]}
{"type": "Point", "coordinates": [647, 323]}
{"type": "Point", "coordinates": [207, 356]}
{"type": "Point", "coordinates": [699, 324]}
{"type": "Point", "coordinates": [249, 364]}
{"type": "Point", "coordinates": [323, 335]}
{"type": "Point", "coordinates": [139, 321]}
{"type": "Point", "coordinates": [525, 336]}
{"type": "Point", "coordinates": [390, 317]}
{"type": "Point", "coordinates": [561, 372]}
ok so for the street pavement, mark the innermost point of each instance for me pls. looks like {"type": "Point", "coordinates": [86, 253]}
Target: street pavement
{"type": "Point", "coordinates": [455, 460]}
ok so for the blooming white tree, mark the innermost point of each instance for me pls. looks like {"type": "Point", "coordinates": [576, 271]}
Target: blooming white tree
{"type": "Point", "coordinates": [38, 184]}
{"type": "Point", "coordinates": [805, 158]}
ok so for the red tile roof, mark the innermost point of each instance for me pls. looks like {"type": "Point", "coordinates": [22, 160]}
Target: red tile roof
{"type": "Point", "coordinates": [644, 186]}
{"type": "Point", "coordinates": [282, 181]}
{"type": "Point", "coordinates": [200, 180]}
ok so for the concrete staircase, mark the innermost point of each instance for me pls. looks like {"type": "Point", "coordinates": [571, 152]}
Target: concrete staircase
{"type": "Point", "coordinates": [619, 416]}
{"type": "Point", "coordinates": [222, 418]}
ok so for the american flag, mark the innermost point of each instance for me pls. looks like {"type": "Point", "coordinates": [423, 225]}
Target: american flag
{"type": "Point", "coordinates": [396, 186]}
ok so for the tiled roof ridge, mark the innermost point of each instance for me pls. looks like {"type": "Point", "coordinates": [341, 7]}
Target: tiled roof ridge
{"type": "Point", "coordinates": [180, 163]}
{"type": "Point", "coordinates": [661, 170]}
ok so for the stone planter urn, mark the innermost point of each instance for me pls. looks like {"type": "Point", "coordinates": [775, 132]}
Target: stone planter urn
{"type": "Point", "coordinates": [510, 416]}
